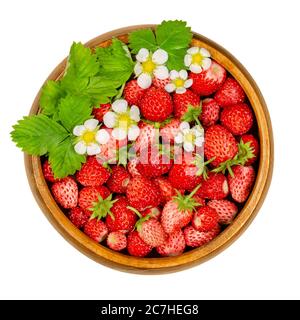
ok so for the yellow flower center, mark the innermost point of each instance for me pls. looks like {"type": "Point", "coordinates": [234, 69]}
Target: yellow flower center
{"type": "Point", "coordinates": [124, 121]}
{"type": "Point", "coordinates": [178, 82]}
{"type": "Point", "coordinates": [89, 137]}
{"type": "Point", "coordinates": [189, 137]}
{"type": "Point", "coordinates": [148, 66]}
{"type": "Point", "coordinates": [197, 58]}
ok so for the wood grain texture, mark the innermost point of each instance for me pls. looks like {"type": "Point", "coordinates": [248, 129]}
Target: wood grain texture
{"type": "Point", "coordinates": [126, 263]}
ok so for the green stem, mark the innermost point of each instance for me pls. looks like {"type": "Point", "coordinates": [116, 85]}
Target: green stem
{"type": "Point", "coordinates": [193, 192]}
{"type": "Point", "coordinates": [135, 211]}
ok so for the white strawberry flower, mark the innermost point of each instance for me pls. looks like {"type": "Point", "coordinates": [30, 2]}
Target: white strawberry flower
{"type": "Point", "coordinates": [149, 65]}
{"type": "Point", "coordinates": [123, 120]}
{"type": "Point", "coordinates": [197, 59]}
{"type": "Point", "coordinates": [86, 137]}
{"type": "Point", "coordinates": [179, 82]}
{"type": "Point", "coordinates": [190, 137]}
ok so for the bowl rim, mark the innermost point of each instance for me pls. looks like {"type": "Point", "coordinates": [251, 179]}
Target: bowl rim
{"type": "Point", "coordinates": [127, 263]}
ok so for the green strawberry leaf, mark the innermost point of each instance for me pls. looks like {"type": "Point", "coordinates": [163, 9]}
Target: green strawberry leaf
{"type": "Point", "coordinates": [100, 90]}
{"type": "Point", "coordinates": [142, 39]}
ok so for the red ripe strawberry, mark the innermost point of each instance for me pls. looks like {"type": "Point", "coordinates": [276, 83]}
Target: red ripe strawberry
{"type": "Point", "coordinates": [65, 192]}
{"type": "Point", "coordinates": [238, 118]}
{"type": "Point", "coordinates": [92, 173]}
{"type": "Point", "coordinates": [208, 81]}
{"type": "Point", "coordinates": [156, 105]}
{"type": "Point", "coordinates": [154, 212]}
{"type": "Point", "coordinates": [153, 164]}
{"type": "Point", "coordinates": [48, 173]}
{"type": "Point", "coordinates": [215, 187]}
{"type": "Point", "coordinates": [122, 218]}
{"type": "Point", "coordinates": [194, 238]}
{"type": "Point", "coordinates": [166, 189]}
{"type": "Point", "coordinates": [96, 230]}
{"type": "Point", "coordinates": [78, 217]}
{"type": "Point", "coordinates": [133, 93]}
{"type": "Point", "coordinates": [148, 136]}
{"type": "Point", "coordinates": [99, 112]}
{"type": "Point", "coordinates": [174, 245]}
{"type": "Point", "coordinates": [136, 246]}
{"type": "Point", "coordinates": [142, 193]}
{"type": "Point", "coordinates": [170, 131]}
{"type": "Point", "coordinates": [219, 144]}
{"type": "Point", "coordinates": [241, 183]}
{"type": "Point", "coordinates": [132, 167]}
{"type": "Point", "coordinates": [226, 210]}
{"type": "Point", "coordinates": [249, 138]}
{"type": "Point", "coordinates": [230, 93]}
{"type": "Point", "coordinates": [116, 241]}
{"type": "Point", "coordinates": [183, 101]}
{"type": "Point", "coordinates": [90, 195]}
{"type": "Point", "coordinates": [205, 219]}
{"type": "Point", "coordinates": [118, 179]}
{"type": "Point", "coordinates": [159, 83]}
{"type": "Point", "coordinates": [210, 112]}
{"type": "Point", "coordinates": [151, 231]}
{"type": "Point", "coordinates": [199, 199]}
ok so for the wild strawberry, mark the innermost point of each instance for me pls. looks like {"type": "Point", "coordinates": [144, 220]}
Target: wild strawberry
{"type": "Point", "coordinates": [208, 81]}
{"type": "Point", "coordinates": [78, 217]}
{"type": "Point", "coordinates": [154, 212]}
{"type": "Point", "coordinates": [48, 173]}
{"type": "Point", "coordinates": [149, 135]}
{"type": "Point", "coordinates": [116, 241]}
{"type": "Point", "coordinates": [65, 192]}
{"type": "Point", "coordinates": [215, 187]}
{"type": "Point", "coordinates": [253, 144]}
{"type": "Point", "coordinates": [156, 105]}
{"type": "Point", "coordinates": [96, 230]}
{"type": "Point", "coordinates": [159, 83]}
{"type": "Point", "coordinates": [166, 189]}
{"type": "Point", "coordinates": [210, 112]}
{"type": "Point", "coordinates": [183, 101]}
{"type": "Point", "coordinates": [133, 93]}
{"type": "Point", "coordinates": [219, 144]}
{"type": "Point", "coordinates": [194, 238]}
{"type": "Point", "coordinates": [199, 199]}
{"type": "Point", "coordinates": [230, 93]}
{"type": "Point", "coordinates": [241, 182]}
{"type": "Point", "coordinates": [169, 131]}
{"type": "Point", "coordinates": [132, 167]}
{"type": "Point", "coordinates": [226, 210]}
{"type": "Point", "coordinates": [121, 218]}
{"type": "Point", "coordinates": [90, 195]}
{"type": "Point", "coordinates": [99, 112]}
{"type": "Point", "coordinates": [92, 173]}
{"type": "Point", "coordinates": [238, 118]}
{"type": "Point", "coordinates": [205, 219]}
{"type": "Point", "coordinates": [136, 246]}
{"type": "Point", "coordinates": [142, 193]}
{"type": "Point", "coordinates": [174, 245]}
{"type": "Point", "coordinates": [118, 179]}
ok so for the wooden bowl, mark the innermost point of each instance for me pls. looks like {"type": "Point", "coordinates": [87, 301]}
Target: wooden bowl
{"type": "Point", "coordinates": [193, 257]}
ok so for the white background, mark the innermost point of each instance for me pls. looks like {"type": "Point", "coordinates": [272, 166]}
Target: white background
{"type": "Point", "coordinates": [36, 262]}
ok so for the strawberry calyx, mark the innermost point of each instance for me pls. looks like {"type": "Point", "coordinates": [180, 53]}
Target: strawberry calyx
{"type": "Point", "coordinates": [187, 202]}
{"type": "Point", "coordinates": [141, 220]}
{"type": "Point", "coordinates": [101, 208]}
{"type": "Point", "coordinates": [202, 166]}
{"type": "Point", "coordinates": [192, 114]}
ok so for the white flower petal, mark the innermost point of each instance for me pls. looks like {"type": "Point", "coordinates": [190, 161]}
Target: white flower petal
{"type": "Point", "coordinates": [188, 83]}
{"type": "Point", "coordinates": [93, 149]}
{"type": "Point", "coordinates": [133, 132]}
{"type": "Point", "coordinates": [198, 131]}
{"type": "Point", "coordinates": [186, 131]}
{"type": "Point", "coordinates": [170, 87]}
{"type": "Point", "coordinates": [138, 69]}
{"type": "Point", "coordinates": [144, 80]}
{"type": "Point", "coordinates": [160, 56]}
{"type": "Point", "coordinates": [188, 146]}
{"type": "Point", "coordinates": [119, 134]}
{"type": "Point", "coordinates": [135, 113]}
{"type": "Point", "coordinates": [183, 74]}
{"type": "Point", "coordinates": [120, 106]}
{"type": "Point", "coordinates": [109, 119]}
{"type": "Point", "coordinates": [179, 138]}
{"type": "Point", "coordinates": [206, 63]}
{"type": "Point", "coordinates": [180, 90]}
{"type": "Point", "coordinates": [195, 68]}
{"type": "Point", "coordinates": [91, 124]}
{"type": "Point", "coordinates": [187, 60]}
{"type": "Point", "coordinates": [174, 74]}
{"type": "Point", "coordinates": [102, 136]}
{"type": "Point", "coordinates": [79, 130]}
{"type": "Point", "coordinates": [80, 147]}
{"type": "Point", "coordinates": [142, 55]}
{"type": "Point", "coordinates": [193, 50]}
{"type": "Point", "coordinates": [199, 141]}
{"type": "Point", "coordinates": [161, 72]}
{"type": "Point", "coordinates": [205, 53]}
{"type": "Point", "coordinates": [184, 125]}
